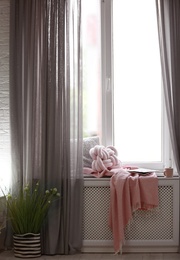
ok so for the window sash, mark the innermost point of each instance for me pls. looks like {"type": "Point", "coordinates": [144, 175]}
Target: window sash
{"type": "Point", "coordinates": [107, 94]}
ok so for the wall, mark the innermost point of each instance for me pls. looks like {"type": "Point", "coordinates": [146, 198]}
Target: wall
{"type": "Point", "coordinates": [4, 77]}
{"type": "Point", "coordinates": [4, 88]}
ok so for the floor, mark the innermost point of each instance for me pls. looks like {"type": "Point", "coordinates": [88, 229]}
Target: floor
{"type": "Point", "coordinates": [8, 255]}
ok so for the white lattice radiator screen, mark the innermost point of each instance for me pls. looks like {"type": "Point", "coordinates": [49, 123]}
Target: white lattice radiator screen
{"type": "Point", "coordinates": [156, 228]}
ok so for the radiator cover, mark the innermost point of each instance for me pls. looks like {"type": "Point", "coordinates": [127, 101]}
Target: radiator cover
{"type": "Point", "coordinates": [157, 229]}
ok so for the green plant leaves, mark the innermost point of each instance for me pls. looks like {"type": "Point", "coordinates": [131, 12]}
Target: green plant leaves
{"type": "Point", "coordinates": [28, 209]}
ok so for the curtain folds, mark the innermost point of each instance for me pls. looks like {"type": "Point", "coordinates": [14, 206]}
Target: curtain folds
{"type": "Point", "coordinates": [168, 17]}
{"type": "Point", "coordinates": [73, 79]}
{"type": "Point", "coordinates": [45, 111]}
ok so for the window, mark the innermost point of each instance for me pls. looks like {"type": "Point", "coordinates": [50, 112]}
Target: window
{"type": "Point", "coordinates": [137, 81]}
{"type": "Point", "coordinates": [91, 40]}
{"type": "Point", "coordinates": [129, 96]}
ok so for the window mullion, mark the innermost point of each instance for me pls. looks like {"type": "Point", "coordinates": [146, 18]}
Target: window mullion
{"type": "Point", "coordinates": [107, 79]}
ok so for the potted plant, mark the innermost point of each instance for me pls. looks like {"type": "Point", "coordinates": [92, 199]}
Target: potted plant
{"type": "Point", "coordinates": [26, 211]}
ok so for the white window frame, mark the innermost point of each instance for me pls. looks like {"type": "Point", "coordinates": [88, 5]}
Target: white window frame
{"type": "Point", "coordinates": [106, 70]}
{"type": "Point", "coordinates": [107, 93]}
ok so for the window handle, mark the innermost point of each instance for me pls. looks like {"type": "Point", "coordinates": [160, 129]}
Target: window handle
{"type": "Point", "coordinates": [108, 84]}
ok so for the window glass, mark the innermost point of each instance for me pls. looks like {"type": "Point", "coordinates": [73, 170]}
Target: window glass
{"type": "Point", "coordinates": [91, 42]}
{"type": "Point", "coordinates": [137, 82]}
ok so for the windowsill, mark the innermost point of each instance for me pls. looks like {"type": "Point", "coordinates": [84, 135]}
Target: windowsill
{"type": "Point", "coordinates": [160, 175]}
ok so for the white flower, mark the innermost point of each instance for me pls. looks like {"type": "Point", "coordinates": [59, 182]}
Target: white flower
{"type": "Point", "coordinates": [26, 188]}
{"type": "Point", "coordinates": [54, 191]}
{"type": "Point", "coordinates": [9, 196]}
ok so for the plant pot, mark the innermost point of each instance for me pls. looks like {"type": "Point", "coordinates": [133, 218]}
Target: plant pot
{"type": "Point", "coordinates": [27, 245]}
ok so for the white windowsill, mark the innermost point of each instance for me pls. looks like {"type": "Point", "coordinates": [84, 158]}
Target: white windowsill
{"type": "Point", "coordinates": [160, 175]}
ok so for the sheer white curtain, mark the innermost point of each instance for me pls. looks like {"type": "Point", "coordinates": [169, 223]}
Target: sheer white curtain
{"type": "Point", "coordinates": [45, 111]}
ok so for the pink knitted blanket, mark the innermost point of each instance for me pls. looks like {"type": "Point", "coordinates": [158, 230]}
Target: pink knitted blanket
{"type": "Point", "coordinates": [129, 192]}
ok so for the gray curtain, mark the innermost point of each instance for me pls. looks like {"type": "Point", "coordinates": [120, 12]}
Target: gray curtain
{"type": "Point", "coordinates": [168, 17]}
{"type": "Point", "coordinates": [45, 111]}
